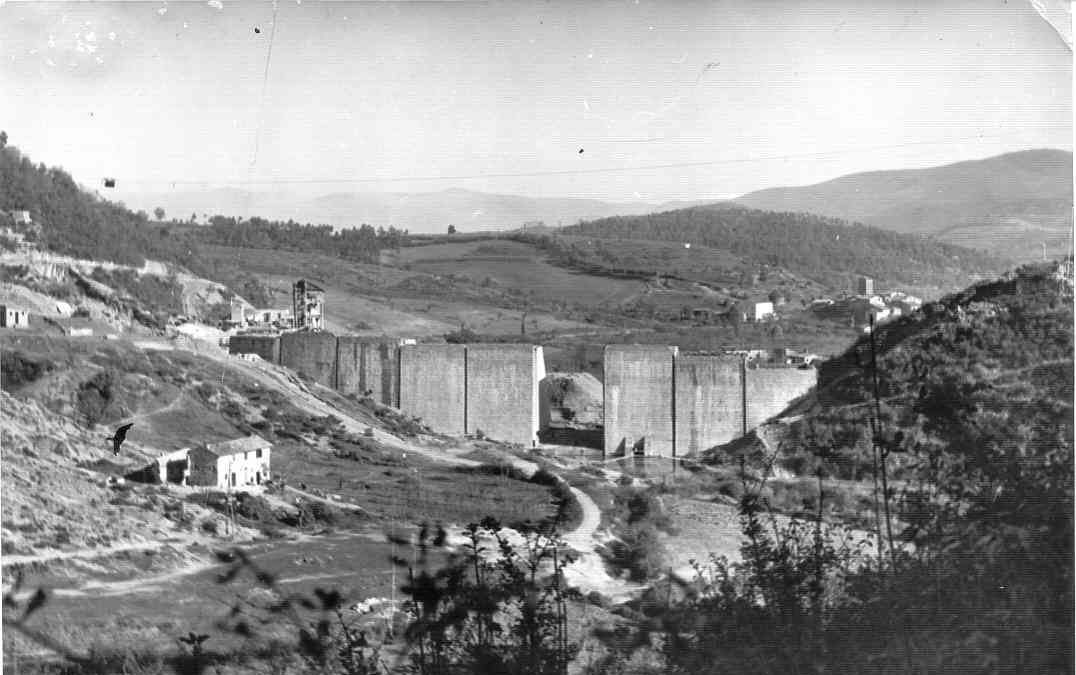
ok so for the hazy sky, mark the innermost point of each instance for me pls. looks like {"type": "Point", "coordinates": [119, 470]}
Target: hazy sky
{"type": "Point", "coordinates": [746, 95]}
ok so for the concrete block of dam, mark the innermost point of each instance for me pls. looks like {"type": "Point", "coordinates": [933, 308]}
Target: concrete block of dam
{"type": "Point", "coordinates": [768, 391]}
{"type": "Point", "coordinates": [265, 346]}
{"type": "Point", "coordinates": [502, 391]}
{"type": "Point", "coordinates": [310, 354]}
{"type": "Point", "coordinates": [365, 367]}
{"type": "Point", "coordinates": [709, 401]}
{"type": "Point", "coordinates": [639, 400]}
{"type": "Point", "coordinates": [348, 368]}
{"type": "Point", "coordinates": [433, 380]}
{"type": "Point", "coordinates": [379, 372]}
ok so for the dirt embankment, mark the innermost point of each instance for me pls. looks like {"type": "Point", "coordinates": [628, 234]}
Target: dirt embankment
{"type": "Point", "coordinates": [576, 400]}
{"type": "Point", "coordinates": [118, 295]}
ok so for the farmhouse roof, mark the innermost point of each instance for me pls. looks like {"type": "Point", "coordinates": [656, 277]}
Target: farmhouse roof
{"type": "Point", "coordinates": [237, 445]}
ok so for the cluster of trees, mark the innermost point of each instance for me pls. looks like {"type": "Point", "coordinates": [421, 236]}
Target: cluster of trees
{"type": "Point", "coordinates": [69, 220]}
{"type": "Point", "coordinates": [826, 249]}
{"type": "Point", "coordinates": [361, 244]}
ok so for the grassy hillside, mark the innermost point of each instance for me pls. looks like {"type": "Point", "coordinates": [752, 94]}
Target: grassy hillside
{"type": "Point", "coordinates": [1009, 204]}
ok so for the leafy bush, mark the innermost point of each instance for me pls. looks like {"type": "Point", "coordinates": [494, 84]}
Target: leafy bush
{"type": "Point", "coordinates": [94, 397]}
{"type": "Point", "coordinates": [639, 550]}
{"type": "Point", "coordinates": [254, 507]}
{"type": "Point", "coordinates": [18, 368]}
{"type": "Point", "coordinates": [461, 336]}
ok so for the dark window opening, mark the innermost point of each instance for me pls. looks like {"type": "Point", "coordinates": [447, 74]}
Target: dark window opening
{"type": "Point", "coordinates": [175, 470]}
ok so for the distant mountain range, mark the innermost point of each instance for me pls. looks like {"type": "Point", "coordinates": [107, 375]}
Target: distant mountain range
{"type": "Point", "coordinates": [1011, 204]}
{"type": "Point", "coordinates": [417, 212]}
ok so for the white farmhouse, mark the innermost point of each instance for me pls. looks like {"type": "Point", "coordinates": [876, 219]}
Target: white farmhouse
{"type": "Point", "coordinates": [763, 311]}
{"type": "Point", "coordinates": [13, 317]}
{"type": "Point", "coordinates": [235, 463]}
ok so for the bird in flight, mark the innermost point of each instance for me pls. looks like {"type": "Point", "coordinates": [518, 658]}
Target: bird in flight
{"type": "Point", "coordinates": [118, 438]}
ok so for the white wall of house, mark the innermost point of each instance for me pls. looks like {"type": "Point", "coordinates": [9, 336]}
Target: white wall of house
{"type": "Point", "coordinates": [248, 468]}
{"type": "Point", "coordinates": [763, 310]}
{"type": "Point", "coordinates": [14, 318]}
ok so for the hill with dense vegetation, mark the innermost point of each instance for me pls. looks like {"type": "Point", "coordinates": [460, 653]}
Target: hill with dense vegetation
{"type": "Point", "coordinates": [75, 222]}
{"type": "Point", "coordinates": [1009, 204]}
{"type": "Point", "coordinates": [827, 250]}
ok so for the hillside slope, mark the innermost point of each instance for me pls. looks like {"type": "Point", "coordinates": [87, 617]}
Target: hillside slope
{"type": "Point", "coordinates": [1002, 347]}
{"type": "Point", "coordinates": [987, 203]}
{"type": "Point", "coordinates": [966, 466]}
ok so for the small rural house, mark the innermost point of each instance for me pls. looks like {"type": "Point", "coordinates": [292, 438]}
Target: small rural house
{"type": "Point", "coordinates": [763, 311]}
{"type": "Point", "coordinates": [864, 286]}
{"type": "Point", "coordinates": [174, 467]}
{"type": "Point", "coordinates": [13, 317]}
{"type": "Point", "coordinates": [22, 217]}
{"type": "Point", "coordinates": [235, 463]}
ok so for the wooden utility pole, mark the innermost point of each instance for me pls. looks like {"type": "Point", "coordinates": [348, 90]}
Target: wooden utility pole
{"type": "Point", "coordinates": [881, 452]}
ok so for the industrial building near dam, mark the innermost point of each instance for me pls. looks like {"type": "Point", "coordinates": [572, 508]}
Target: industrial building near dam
{"type": "Point", "coordinates": [657, 401]}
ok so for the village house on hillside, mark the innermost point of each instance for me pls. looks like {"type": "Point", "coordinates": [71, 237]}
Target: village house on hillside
{"type": "Point", "coordinates": [763, 311]}
{"type": "Point", "coordinates": [235, 463]}
{"type": "Point", "coordinates": [13, 317]}
{"type": "Point", "coordinates": [21, 217]}
{"type": "Point", "coordinates": [242, 461]}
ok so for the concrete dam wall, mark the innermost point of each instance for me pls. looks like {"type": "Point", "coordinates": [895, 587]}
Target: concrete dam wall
{"type": "Point", "coordinates": [503, 391]}
{"type": "Point", "coordinates": [661, 402]}
{"type": "Point", "coordinates": [310, 354]}
{"type": "Point", "coordinates": [348, 369]}
{"type": "Point", "coordinates": [453, 388]}
{"type": "Point", "coordinates": [265, 346]}
{"type": "Point", "coordinates": [639, 399]}
{"type": "Point", "coordinates": [709, 401]}
{"type": "Point", "coordinates": [379, 372]}
{"type": "Point", "coordinates": [433, 381]}
{"type": "Point", "coordinates": [768, 391]}
{"type": "Point", "coordinates": [365, 368]}
{"type": "Point", "coordinates": [657, 401]}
